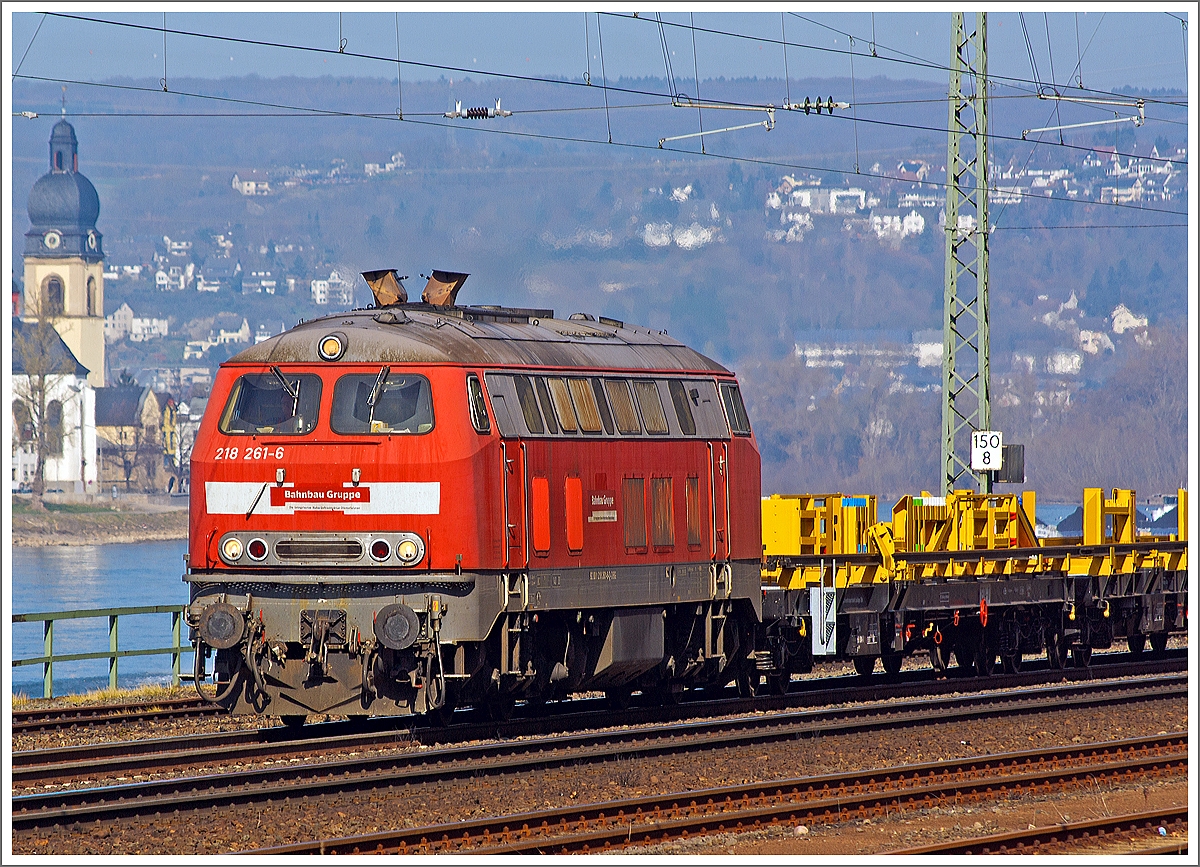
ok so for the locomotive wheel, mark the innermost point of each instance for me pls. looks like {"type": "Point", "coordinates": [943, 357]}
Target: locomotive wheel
{"type": "Point", "coordinates": [1137, 645]}
{"type": "Point", "coordinates": [893, 662]}
{"type": "Point", "coordinates": [1158, 641]}
{"type": "Point", "coordinates": [1081, 656]}
{"type": "Point", "coordinates": [293, 720]}
{"type": "Point", "coordinates": [1012, 662]}
{"type": "Point", "coordinates": [864, 665]}
{"type": "Point", "coordinates": [441, 717]}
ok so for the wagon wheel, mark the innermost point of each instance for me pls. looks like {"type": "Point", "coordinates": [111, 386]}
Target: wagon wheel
{"type": "Point", "coordinates": [499, 708]}
{"type": "Point", "coordinates": [747, 681]}
{"type": "Point", "coordinates": [939, 657]}
{"type": "Point", "coordinates": [780, 683]}
{"type": "Point", "coordinates": [985, 659]}
{"type": "Point", "coordinates": [1056, 651]}
{"type": "Point", "coordinates": [1012, 662]}
{"type": "Point", "coordinates": [893, 662]}
{"type": "Point", "coordinates": [1158, 641]}
{"type": "Point", "coordinates": [293, 720]}
{"type": "Point", "coordinates": [964, 658]}
{"type": "Point", "coordinates": [618, 697]}
{"type": "Point", "coordinates": [1137, 644]}
{"type": "Point", "coordinates": [864, 665]}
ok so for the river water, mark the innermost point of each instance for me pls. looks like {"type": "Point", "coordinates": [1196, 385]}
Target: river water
{"type": "Point", "coordinates": [70, 577]}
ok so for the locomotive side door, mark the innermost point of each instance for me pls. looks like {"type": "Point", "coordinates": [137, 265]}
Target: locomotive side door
{"type": "Point", "coordinates": [512, 466]}
{"type": "Point", "coordinates": [718, 475]}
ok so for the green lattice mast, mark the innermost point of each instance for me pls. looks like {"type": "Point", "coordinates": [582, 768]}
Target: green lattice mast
{"type": "Point", "coordinates": [966, 404]}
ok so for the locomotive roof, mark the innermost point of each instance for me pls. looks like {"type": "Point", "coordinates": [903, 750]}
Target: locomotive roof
{"type": "Point", "coordinates": [422, 333]}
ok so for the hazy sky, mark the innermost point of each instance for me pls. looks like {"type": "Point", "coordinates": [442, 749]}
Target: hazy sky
{"type": "Point", "coordinates": [1106, 49]}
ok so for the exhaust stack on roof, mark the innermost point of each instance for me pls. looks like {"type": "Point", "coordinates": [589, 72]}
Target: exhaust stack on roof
{"type": "Point", "coordinates": [386, 286]}
{"type": "Point", "coordinates": [442, 288]}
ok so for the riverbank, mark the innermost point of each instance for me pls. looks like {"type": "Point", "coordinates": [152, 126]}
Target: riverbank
{"type": "Point", "coordinates": [64, 524]}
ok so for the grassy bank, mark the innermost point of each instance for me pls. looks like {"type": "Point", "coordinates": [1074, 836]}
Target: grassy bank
{"type": "Point", "coordinates": [81, 524]}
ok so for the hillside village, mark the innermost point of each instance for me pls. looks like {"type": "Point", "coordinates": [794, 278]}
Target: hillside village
{"type": "Point", "coordinates": [180, 303]}
{"type": "Point", "coordinates": [893, 211]}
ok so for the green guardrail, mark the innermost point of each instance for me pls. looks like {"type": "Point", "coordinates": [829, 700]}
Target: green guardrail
{"type": "Point", "coordinates": [114, 653]}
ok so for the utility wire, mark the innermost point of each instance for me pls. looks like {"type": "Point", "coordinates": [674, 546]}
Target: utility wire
{"type": "Point", "coordinates": [605, 88]}
{"type": "Point", "coordinates": [413, 119]}
{"type": "Point", "coordinates": [30, 45]}
{"type": "Point", "coordinates": [1009, 79]}
{"type": "Point", "coordinates": [604, 77]}
{"type": "Point", "coordinates": [565, 82]}
{"type": "Point", "coordinates": [1079, 63]}
{"type": "Point", "coordinates": [580, 140]}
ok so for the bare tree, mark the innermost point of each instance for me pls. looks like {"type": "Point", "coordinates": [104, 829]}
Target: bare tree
{"type": "Point", "coordinates": [38, 348]}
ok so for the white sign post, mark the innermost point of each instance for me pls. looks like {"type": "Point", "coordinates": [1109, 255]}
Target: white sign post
{"type": "Point", "coordinates": [987, 450]}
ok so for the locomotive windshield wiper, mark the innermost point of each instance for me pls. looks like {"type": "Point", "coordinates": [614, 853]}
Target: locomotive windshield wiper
{"type": "Point", "coordinates": [376, 391]}
{"type": "Point", "coordinates": [378, 388]}
{"type": "Point", "coordinates": [292, 389]}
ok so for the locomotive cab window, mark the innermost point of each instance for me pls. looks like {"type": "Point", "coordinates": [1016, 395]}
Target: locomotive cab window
{"type": "Point", "coordinates": [683, 411]}
{"type": "Point", "coordinates": [735, 410]}
{"type": "Point", "coordinates": [285, 404]}
{"type": "Point", "coordinates": [479, 416]}
{"type": "Point", "coordinates": [382, 403]}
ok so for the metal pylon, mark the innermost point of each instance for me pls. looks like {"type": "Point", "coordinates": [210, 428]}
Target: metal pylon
{"type": "Point", "coordinates": [966, 404]}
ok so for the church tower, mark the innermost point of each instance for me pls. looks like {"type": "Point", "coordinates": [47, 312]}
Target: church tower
{"type": "Point", "coordinates": [64, 257]}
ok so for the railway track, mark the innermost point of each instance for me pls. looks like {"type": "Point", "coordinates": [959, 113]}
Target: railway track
{"type": "Point", "coordinates": [825, 799]}
{"type": "Point", "coordinates": [94, 761]}
{"type": "Point", "coordinates": [277, 783]}
{"type": "Point", "coordinates": [1067, 837]}
{"type": "Point", "coordinates": [46, 719]}
{"type": "Point", "coordinates": [28, 720]}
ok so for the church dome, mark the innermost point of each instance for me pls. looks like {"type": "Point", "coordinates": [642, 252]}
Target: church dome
{"type": "Point", "coordinates": [64, 198]}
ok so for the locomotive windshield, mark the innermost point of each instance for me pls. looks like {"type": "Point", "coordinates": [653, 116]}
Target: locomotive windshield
{"type": "Point", "coordinates": [383, 402]}
{"type": "Point", "coordinates": [272, 403]}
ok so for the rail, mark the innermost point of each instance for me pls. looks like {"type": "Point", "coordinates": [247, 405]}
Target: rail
{"type": "Point", "coordinates": [114, 653]}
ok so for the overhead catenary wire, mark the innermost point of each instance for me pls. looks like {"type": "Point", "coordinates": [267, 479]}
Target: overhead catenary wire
{"type": "Point", "coordinates": [443, 67]}
{"type": "Point", "coordinates": [342, 113]}
{"type": "Point", "coordinates": [399, 71]}
{"type": "Point", "coordinates": [791, 166]}
{"type": "Point", "coordinates": [1050, 54]}
{"type": "Point", "coordinates": [604, 77]}
{"type": "Point", "coordinates": [696, 72]}
{"type": "Point", "coordinates": [1013, 81]}
{"type": "Point", "coordinates": [31, 41]}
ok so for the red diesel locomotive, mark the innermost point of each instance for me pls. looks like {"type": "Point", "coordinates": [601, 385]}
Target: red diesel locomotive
{"type": "Point", "coordinates": [406, 508]}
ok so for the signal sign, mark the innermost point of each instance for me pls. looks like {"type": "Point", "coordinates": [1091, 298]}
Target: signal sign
{"type": "Point", "coordinates": [987, 450]}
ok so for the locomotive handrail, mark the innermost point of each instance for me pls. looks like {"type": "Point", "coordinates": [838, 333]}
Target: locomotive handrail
{"type": "Point", "coordinates": [114, 653]}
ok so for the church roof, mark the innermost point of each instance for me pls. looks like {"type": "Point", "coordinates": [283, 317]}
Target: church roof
{"type": "Point", "coordinates": [120, 405]}
{"type": "Point", "coordinates": [59, 358]}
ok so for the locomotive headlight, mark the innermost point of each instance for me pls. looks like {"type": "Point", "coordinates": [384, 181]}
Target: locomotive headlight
{"type": "Point", "coordinates": [407, 551]}
{"type": "Point", "coordinates": [380, 549]}
{"type": "Point", "coordinates": [257, 549]}
{"type": "Point", "coordinates": [332, 346]}
{"type": "Point", "coordinates": [232, 549]}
